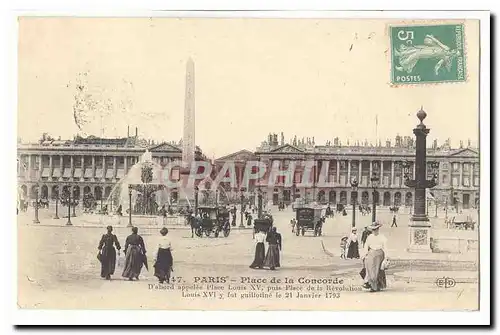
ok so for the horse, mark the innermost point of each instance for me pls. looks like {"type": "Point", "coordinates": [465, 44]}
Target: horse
{"type": "Point", "coordinates": [195, 224]}
{"type": "Point", "coordinates": [42, 203]}
{"type": "Point", "coordinates": [329, 212]}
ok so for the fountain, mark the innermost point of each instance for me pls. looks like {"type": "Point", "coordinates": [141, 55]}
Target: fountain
{"type": "Point", "coordinates": [145, 180]}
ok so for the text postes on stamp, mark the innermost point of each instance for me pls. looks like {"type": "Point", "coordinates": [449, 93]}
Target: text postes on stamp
{"type": "Point", "coordinates": [427, 54]}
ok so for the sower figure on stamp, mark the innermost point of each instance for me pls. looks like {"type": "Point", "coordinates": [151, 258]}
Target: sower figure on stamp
{"type": "Point", "coordinates": [107, 253]}
{"type": "Point", "coordinates": [272, 260]}
{"type": "Point", "coordinates": [260, 250]}
{"type": "Point", "coordinates": [163, 259]}
{"type": "Point", "coordinates": [135, 255]}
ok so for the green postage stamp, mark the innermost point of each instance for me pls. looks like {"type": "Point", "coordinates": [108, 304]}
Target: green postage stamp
{"type": "Point", "coordinates": [427, 54]}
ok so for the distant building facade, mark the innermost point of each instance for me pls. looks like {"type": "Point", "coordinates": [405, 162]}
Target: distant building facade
{"type": "Point", "coordinates": [94, 165]}
{"type": "Point", "coordinates": [87, 165]}
{"type": "Point", "coordinates": [458, 171]}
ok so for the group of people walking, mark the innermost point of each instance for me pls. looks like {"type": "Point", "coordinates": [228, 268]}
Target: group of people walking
{"type": "Point", "coordinates": [271, 259]}
{"type": "Point", "coordinates": [135, 255]}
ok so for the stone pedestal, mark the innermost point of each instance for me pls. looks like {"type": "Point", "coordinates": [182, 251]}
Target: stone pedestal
{"type": "Point", "coordinates": [419, 237]}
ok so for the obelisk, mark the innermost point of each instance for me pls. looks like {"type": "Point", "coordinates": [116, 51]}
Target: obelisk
{"type": "Point", "coordinates": [188, 141]}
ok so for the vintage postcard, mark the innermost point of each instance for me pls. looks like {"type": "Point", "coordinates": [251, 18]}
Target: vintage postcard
{"type": "Point", "coordinates": [248, 164]}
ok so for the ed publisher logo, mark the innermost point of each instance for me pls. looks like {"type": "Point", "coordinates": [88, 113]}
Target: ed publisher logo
{"type": "Point", "coordinates": [445, 282]}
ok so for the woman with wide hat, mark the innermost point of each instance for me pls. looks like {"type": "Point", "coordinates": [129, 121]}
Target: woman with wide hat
{"type": "Point", "coordinates": [353, 245]}
{"type": "Point", "coordinates": [163, 259]}
{"type": "Point", "coordinates": [374, 254]}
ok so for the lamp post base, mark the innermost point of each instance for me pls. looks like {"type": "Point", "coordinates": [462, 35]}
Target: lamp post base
{"type": "Point", "coordinates": [419, 236]}
{"type": "Point", "coordinates": [69, 223]}
{"type": "Point", "coordinates": [36, 221]}
{"type": "Point", "coordinates": [56, 217]}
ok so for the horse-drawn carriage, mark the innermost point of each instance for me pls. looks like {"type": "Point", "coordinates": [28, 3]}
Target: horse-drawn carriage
{"type": "Point", "coordinates": [462, 222]}
{"type": "Point", "coordinates": [309, 219]}
{"type": "Point", "coordinates": [23, 205]}
{"type": "Point", "coordinates": [212, 220]}
{"type": "Point", "coordinates": [264, 223]}
{"type": "Point", "coordinates": [340, 208]}
{"type": "Point", "coordinates": [329, 212]}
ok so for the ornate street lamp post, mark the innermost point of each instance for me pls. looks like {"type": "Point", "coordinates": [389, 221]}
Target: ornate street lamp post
{"type": "Point", "coordinates": [354, 185]}
{"type": "Point", "coordinates": [57, 203]}
{"type": "Point", "coordinates": [217, 197]}
{"type": "Point", "coordinates": [129, 206]}
{"type": "Point", "coordinates": [374, 179]}
{"type": "Point", "coordinates": [74, 206]}
{"type": "Point", "coordinates": [69, 209]}
{"type": "Point", "coordinates": [419, 222]}
{"type": "Point", "coordinates": [259, 203]}
{"type": "Point", "coordinates": [446, 209]}
{"type": "Point", "coordinates": [196, 190]}
{"type": "Point", "coordinates": [454, 200]}
{"type": "Point", "coordinates": [242, 200]}
{"type": "Point", "coordinates": [36, 204]}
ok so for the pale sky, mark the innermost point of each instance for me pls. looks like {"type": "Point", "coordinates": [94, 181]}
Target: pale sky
{"type": "Point", "coordinates": [324, 78]}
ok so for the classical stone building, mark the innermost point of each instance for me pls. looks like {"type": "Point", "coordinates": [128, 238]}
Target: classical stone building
{"type": "Point", "coordinates": [458, 171]}
{"type": "Point", "coordinates": [86, 165]}
{"type": "Point", "coordinates": [94, 165]}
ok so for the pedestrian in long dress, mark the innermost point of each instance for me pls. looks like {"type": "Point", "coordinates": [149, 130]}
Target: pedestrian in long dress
{"type": "Point", "coordinates": [353, 245]}
{"type": "Point", "coordinates": [375, 252]}
{"type": "Point", "coordinates": [272, 260]}
{"type": "Point", "coordinates": [107, 253]}
{"type": "Point", "coordinates": [260, 250]}
{"type": "Point", "coordinates": [135, 255]}
{"type": "Point", "coordinates": [249, 219]}
{"type": "Point", "coordinates": [163, 260]}
{"type": "Point", "coordinates": [233, 219]}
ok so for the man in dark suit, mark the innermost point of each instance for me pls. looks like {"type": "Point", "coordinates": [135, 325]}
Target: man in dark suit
{"type": "Point", "coordinates": [365, 235]}
{"type": "Point", "coordinates": [394, 224]}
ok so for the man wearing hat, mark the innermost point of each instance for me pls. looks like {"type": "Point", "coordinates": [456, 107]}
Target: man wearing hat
{"type": "Point", "coordinates": [364, 236]}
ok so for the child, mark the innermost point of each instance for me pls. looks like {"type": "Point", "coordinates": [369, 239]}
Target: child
{"type": "Point", "coordinates": [343, 247]}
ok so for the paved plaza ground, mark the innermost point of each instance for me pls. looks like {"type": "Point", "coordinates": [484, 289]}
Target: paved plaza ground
{"type": "Point", "coordinates": [58, 268]}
